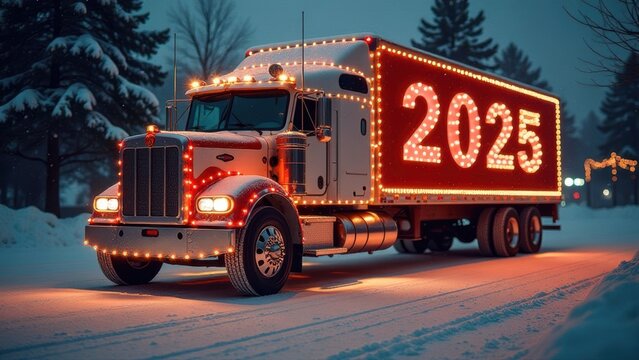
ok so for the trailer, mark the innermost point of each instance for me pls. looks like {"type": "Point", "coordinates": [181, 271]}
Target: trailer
{"type": "Point", "coordinates": [333, 146]}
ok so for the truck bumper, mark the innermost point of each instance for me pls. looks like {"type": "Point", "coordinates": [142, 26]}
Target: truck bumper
{"type": "Point", "coordinates": [170, 242]}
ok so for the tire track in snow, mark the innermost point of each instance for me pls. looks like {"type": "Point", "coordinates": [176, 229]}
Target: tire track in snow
{"type": "Point", "coordinates": [414, 343]}
{"type": "Point", "coordinates": [267, 337]}
{"type": "Point", "coordinates": [392, 313]}
{"type": "Point", "coordinates": [212, 320]}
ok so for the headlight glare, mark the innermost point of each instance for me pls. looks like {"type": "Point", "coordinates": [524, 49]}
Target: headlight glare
{"type": "Point", "coordinates": [215, 204]}
{"type": "Point", "coordinates": [106, 204]}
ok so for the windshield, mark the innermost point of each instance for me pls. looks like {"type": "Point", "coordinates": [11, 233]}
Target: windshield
{"type": "Point", "coordinates": [239, 111]}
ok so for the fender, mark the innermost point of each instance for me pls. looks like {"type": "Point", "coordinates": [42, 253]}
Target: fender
{"type": "Point", "coordinates": [249, 192]}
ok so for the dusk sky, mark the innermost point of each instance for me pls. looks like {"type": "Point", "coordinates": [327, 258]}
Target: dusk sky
{"type": "Point", "coordinates": [542, 29]}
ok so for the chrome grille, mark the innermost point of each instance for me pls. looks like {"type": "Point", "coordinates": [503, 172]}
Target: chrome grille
{"type": "Point", "coordinates": [151, 181]}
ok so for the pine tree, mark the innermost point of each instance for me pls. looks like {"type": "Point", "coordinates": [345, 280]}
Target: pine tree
{"type": "Point", "coordinates": [621, 112]}
{"type": "Point", "coordinates": [72, 81]}
{"type": "Point", "coordinates": [591, 136]}
{"type": "Point", "coordinates": [514, 64]}
{"type": "Point", "coordinates": [456, 35]}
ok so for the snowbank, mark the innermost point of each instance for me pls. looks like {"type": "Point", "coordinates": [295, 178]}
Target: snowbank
{"type": "Point", "coordinates": [581, 226]}
{"type": "Point", "coordinates": [604, 326]}
{"type": "Point", "coordinates": [30, 227]}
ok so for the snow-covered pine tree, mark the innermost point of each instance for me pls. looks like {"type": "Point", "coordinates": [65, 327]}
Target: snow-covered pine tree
{"type": "Point", "coordinates": [72, 80]}
{"type": "Point", "coordinates": [621, 112]}
{"type": "Point", "coordinates": [454, 34]}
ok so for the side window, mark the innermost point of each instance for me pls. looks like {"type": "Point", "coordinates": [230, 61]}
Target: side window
{"type": "Point", "coordinates": [310, 115]}
{"type": "Point", "coordinates": [353, 83]}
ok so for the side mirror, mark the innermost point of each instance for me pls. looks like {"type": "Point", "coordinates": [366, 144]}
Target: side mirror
{"type": "Point", "coordinates": [324, 130]}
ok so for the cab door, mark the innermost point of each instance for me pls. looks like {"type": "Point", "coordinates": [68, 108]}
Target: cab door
{"type": "Point", "coordinates": [316, 151]}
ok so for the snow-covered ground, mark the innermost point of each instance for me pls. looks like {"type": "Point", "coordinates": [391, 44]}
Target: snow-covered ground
{"type": "Point", "coordinates": [606, 325]}
{"type": "Point", "coordinates": [32, 228]}
{"type": "Point", "coordinates": [55, 302]}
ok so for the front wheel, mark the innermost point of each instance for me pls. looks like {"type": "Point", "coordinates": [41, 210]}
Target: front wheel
{"type": "Point", "coordinates": [126, 271]}
{"type": "Point", "coordinates": [263, 257]}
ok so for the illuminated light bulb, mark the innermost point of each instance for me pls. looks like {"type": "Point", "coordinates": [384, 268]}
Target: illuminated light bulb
{"type": "Point", "coordinates": [216, 252]}
{"type": "Point", "coordinates": [86, 242]}
{"type": "Point", "coordinates": [125, 253]}
{"type": "Point", "coordinates": [195, 84]}
{"type": "Point", "coordinates": [230, 250]}
{"type": "Point", "coordinates": [147, 255]}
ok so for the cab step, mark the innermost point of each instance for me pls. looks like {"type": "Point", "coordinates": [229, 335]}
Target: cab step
{"type": "Point", "coordinates": [325, 252]}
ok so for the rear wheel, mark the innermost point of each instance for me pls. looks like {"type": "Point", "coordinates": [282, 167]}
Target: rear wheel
{"type": "Point", "coordinates": [506, 232]}
{"type": "Point", "coordinates": [263, 259]}
{"type": "Point", "coordinates": [531, 230]}
{"type": "Point", "coordinates": [485, 231]}
{"type": "Point", "coordinates": [411, 246]}
{"type": "Point", "coordinates": [126, 271]}
{"type": "Point", "coordinates": [440, 242]}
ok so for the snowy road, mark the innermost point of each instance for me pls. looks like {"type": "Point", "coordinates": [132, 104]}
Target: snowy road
{"type": "Point", "coordinates": [456, 305]}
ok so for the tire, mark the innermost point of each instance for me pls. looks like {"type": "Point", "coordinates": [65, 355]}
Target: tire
{"type": "Point", "coordinates": [485, 231]}
{"type": "Point", "coordinates": [264, 253]}
{"type": "Point", "coordinates": [440, 243]}
{"type": "Point", "coordinates": [531, 230]}
{"type": "Point", "coordinates": [124, 271]}
{"type": "Point", "coordinates": [465, 233]}
{"type": "Point", "coordinates": [404, 246]}
{"type": "Point", "coordinates": [506, 232]}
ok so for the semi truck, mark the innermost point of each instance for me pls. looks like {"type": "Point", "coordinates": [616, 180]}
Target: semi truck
{"type": "Point", "coordinates": [332, 146]}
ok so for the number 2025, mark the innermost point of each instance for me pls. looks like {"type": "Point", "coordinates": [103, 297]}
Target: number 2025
{"type": "Point", "coordinates": [415, 151]}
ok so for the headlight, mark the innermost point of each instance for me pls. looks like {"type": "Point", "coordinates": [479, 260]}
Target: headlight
{"type": "Point", "coordinates": [106, 204]}
{"type": "Point", "coordinates": [215, 204]}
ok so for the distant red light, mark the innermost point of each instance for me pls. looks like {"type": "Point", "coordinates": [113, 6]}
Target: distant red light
{"type": "Point", "coordinates": [368, 39]}
{"type": "Point", "coordinates": [576, 195]}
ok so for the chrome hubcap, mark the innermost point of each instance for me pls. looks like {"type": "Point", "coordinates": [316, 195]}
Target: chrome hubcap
{"type": "Point", "coordinates": [269, 251]}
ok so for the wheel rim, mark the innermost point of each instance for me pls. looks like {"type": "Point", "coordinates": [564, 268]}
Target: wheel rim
{"type": "Point", "coordinates": [512, 232]}
{"type": "Point", "coordinates": [534, 230]}
{"type": "Point", "coordinates": [270, 250]}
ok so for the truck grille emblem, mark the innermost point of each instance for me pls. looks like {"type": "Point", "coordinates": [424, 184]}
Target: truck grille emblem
{"type": "Point", "coordinates": [225, 157]}
{"type": "Point", "coordinates": [149, 139]}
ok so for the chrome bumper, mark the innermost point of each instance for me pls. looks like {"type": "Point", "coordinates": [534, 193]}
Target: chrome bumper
{"type": "Point", "coordinates": [171, 242]}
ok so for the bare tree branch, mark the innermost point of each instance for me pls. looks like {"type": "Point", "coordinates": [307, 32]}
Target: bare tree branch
{"type": "Point", "coordinates": [617, 30]}
{"type": "Point", "coordinates": [211, 35]}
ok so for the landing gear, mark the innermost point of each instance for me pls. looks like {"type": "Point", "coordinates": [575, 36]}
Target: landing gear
{"type": "Point", "coordinates": [263, 259]}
